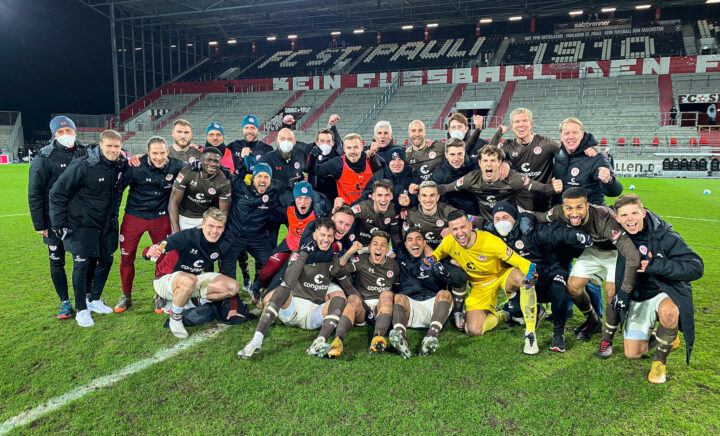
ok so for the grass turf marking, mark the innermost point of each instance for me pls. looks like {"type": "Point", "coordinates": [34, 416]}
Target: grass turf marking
{"type": "Point", "coordinates": [103, 382]}
{"type": "Point", "coordinates": [15, 214]}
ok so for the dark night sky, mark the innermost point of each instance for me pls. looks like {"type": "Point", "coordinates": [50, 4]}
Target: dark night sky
{"type": "Point", "coordinates": [56, 59]}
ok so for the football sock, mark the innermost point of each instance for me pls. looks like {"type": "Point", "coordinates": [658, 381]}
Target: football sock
{"type": "Point", "coordinates": [528, 303]}
{"type": "Point", "coordinates": [665, 338]}
{"type": "Point", "coordinates": [399, 319]}
{"type": "Point", "coordinates": [458, 297]}
{"type": "Point", "coordinates": [612, 320]}
{"type": "Point", "coordinates": [343, 327]}
{"type": "Point", "coordinates": [439, 316]}
{"type": "Point", "coordinates": [330, 323]}
{"type": "Point", "coordinates": [382, 324]}
{"type": "Point", "coordinates": [279, 297]}
{"type": "Point", "coordinates": [582, 302]}
{"type": "Point", "coordinates": [492, 320]}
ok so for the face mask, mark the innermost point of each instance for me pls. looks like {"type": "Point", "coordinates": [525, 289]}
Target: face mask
{"type": "Point", "coordinates": [457, 134]}
{"type": "Point", "coordinates": [325, 149]}
{"type": "Point", "coordinates": [503, 227]}
{"type": "Point", "coordinates": [66, 141]}
{"type": "Point", "coordinates": [285, 146]}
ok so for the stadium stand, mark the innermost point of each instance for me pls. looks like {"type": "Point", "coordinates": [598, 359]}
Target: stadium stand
{"type": "Point", "coordinates": [707, 29]}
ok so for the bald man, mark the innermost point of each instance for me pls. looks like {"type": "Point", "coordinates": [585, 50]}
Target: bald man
{"type": "Point", "coordinates": [288, 161]}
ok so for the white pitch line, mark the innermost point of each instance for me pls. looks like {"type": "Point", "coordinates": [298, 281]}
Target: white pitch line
{"type": "Point", "coordinates": [15, 214]}
{"type": "Point", "coordinates": [103, 382]}
{"type": "Point", "coordinates": [689, 218]}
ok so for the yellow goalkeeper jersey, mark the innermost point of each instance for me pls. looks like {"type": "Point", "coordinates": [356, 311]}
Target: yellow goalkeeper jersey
{"type": "Point", "coordinates": [485, 260]}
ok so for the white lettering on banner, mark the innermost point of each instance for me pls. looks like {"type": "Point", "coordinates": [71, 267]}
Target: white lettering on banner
{"type": "Point", "coordinates": [656, 66]}
{"type": "Point", "coordinates": [510, 73]}
{"type": "Point", "coordinates": [300, 83]}
{"type": "Point", "coordinates": [280, 84]}
{"type": "Point", "coordinates": [592, 69]}
{"type": "Point", "coordinates": [387, 78]}
{"type": "Point", "coordinates": [489, 74]}
{"type": "Point", "coordinates": [538, 74]}
{"type": "Point", "coordinates": [412, 78]}
{"type": "Point", "coordinates": [365, 79]}
{"type": "Point", "coordinates": [462, 75]}
{"type": "Point", "coordinates": [704, 62]}
{"type": "Point", "coordinates": [332, 82]}
{"type": "Point", "coordinates": [437, 76]}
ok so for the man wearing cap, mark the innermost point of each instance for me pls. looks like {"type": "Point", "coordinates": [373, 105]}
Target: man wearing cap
{"type": "Point", "coordinates": [84, 205]}
{"type": "Point", "coordinates": [181, 148]}
{"type": "Point", "coordinates": [249, 145]}
{"type": "Point", "coordinates": [305, 206]}
{"type": "Point", "coordinates": [402, 177]}
{"type": "Point", "coordinates": [45, 169]}
{"type": "Point", "coordinates": [146, 210]}
{"type": "Point", "coordinates": [194, 191]}
{"type": "Point", "coordinates": [253, 206]}
{"type": "Point", "coordinates": [216, 138]}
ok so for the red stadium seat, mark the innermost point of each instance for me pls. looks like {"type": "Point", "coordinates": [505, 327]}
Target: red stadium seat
{"type": "Point", "coordinates": [363, 142]}
{"type": "Point", "coordinates": [673, 141]}
{"type": "Point", "coordinates": [703, 141]}
{"type": "Point", "coordinates": [656, 142]}
{"type": "Point", "coordinates": [603, 141]}
{"type": "Point", "coordinates": [406, 142]}
{"type": "Point", "coordinates": [693, 141]}
{"type": "Point", "coordinates": [621, 142]}
{"type": "Point", "coordinates": [394, 141]}
{"type": "Point", "coordinates": [636, 142]}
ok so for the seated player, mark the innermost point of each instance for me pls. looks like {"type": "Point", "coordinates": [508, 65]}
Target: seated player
{"type": "Point", "coordinates": [490, 265]}
{"type": "Point", "coordinates": [375, 273]}
{"type": "Point", "coordinates": [662, 290]}
{"type": "Point", "coordinates": [430, 217]}
{"type": "Point", "coordinates": [378, 213]}
{"type": "Point", "coordinates": [182, 260]}
{"type": "Point", "coordinates": [305, 298]}
{"type": "Point", "coordinates": [596, 263]}
{"type": "Point", "coordinates": [489, 187]}
{"type": "Point", "coordinates": [422, 299]}
{"type": "Point", "coordinates": [550, 247]}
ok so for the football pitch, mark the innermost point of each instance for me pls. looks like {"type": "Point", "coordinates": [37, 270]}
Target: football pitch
{"type": "Point", "coordinates": [129, 375]}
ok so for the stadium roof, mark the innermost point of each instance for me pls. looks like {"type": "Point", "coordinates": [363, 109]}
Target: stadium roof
{"type": "Point", "coordinates": [255, 19]}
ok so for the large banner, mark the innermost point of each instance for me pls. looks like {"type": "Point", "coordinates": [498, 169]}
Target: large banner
{"type": "Point", "coordinates": [613, 68]}
{"type": "Point", "coordinates": [698, 98]}
{"type": "Point", "coordinates": [606, 24]}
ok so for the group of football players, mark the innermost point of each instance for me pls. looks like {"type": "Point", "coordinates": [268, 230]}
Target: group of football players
{"type": "Point", "coordinates": [390, 236]}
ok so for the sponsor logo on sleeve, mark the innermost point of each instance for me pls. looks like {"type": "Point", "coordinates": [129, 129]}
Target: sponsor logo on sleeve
{"type": "Point", "coordinates": [180, 177]}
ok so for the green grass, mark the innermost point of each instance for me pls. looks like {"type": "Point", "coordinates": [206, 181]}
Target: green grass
{"type": "Point", "coordinates": [479, 385]}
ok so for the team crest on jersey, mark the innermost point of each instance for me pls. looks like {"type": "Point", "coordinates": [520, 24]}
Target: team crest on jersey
{"type": "Point", "coordinates": [121, 238]}
{"type": "Point", "coordinates": [169, 177]}
{"type": "Point", "coordinates": [180, 177]}
{"type": "Point", "coordinates": [482, 258]}
{"type": "Point", "coordinates": [537, 150]}
{"type": "Point", "coordinates": [297, 165]}
{"type": "Point", "coordinates": [212, 191]}
{"type": "Point", "coordinates": [351, 237]}
{"type": "Point", "coordinates": [519, 245]}
{"type": "Point", "coordinates": [643, 250]}
{"type": "Point", "coordinates": [460, 181]}
{"type": "Point", "coordinates": [265, 198]}
{"type": "Point", "coordinates": [387, 220]}
{"type": "Point", "coordinates": [440, 223]}
{"type": "Point", "coordinates": [432, 155]}
{"type": "Point", "coordinates": [390, 274]}
{"type": "Point", "coordinates": [526, 181]}
{"type": "Point", "coordinates": [214, 256]}
{"type": "Point", "coordinates": [575, 171]}
{"type": "Point", "coordinates": [406, 226]}
{"type": "Point", "coordinates": [52, 247]}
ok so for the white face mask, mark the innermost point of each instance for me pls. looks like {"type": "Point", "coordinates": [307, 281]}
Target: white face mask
{"type": "Point", "coordinates": [503, 227]}
{"type": "Point", "coordinates": [66, 141]}
{"type": "Point", "coordinates": [457, 134]}
{"type": "Point", "coordinates": [285, 146]}
{"type": "Point", "coordinates": [325, 149]}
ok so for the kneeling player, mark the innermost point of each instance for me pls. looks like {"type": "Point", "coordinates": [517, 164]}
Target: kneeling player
{"type": "Point", "coordinates": [375, 274]}
{"type": "Point", "coordinates": [423, 300]}
{"type": "Point", "coordinates": [182, 260]}
{"type": "Point", "coordinates": [305, 298]}
{"type": "Point", "coordinates": [662, 289]}
{"type": "Point", "coordinates": [485, 259]}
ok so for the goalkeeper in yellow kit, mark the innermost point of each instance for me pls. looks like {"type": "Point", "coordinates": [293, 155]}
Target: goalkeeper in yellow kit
{"type": "Point", "coordinates": [490, 265]}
